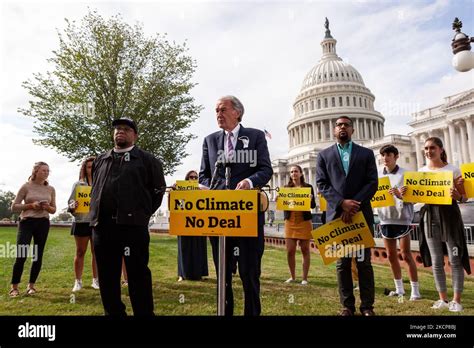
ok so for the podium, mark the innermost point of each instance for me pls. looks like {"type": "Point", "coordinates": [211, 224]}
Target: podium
{"type": "Point", "coordinates": [215, 213]}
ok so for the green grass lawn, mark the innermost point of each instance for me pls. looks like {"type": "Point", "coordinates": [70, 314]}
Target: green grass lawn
{"type": "Point", "coordinates": [320, 297]}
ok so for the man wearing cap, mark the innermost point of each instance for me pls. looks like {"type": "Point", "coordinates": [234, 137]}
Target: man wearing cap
{"type": "Point", "coordinates": [127, 188]}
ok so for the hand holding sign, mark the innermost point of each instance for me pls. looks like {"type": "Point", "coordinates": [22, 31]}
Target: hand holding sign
{"type": "Point", "coordinates": [428, 187]}
{"type": "Point", "coordinates": [350, 206]}
{"type": "Point", "coordinates": [337, 239]}
{"type": "Point", "coordinates": [384, 195]}
{"type": "Point", "coordinates": [83, 198]}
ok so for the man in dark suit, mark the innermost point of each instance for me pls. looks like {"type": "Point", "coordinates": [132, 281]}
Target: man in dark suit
{"type": "Point", "coordinates": [346, 175]}
{"type": "Point", "coordinates": [246, 152]}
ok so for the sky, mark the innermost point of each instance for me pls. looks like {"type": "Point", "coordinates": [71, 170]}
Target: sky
{"type": "Point", "coordinates": [259, 51]}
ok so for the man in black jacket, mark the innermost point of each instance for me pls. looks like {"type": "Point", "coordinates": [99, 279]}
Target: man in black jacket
{"type": "Point", "coordinates": [127, 188]}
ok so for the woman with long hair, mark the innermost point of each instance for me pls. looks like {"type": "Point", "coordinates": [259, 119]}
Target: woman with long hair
{"type": "Point", "coordinates": [298, 227]}
{"type": "Point", "coordinates": [80, 229]}
{"type": "Point", "coordinates": [442, 225]}
{"type": "Point", "coordinates": [192, 251]}
{"type": "Point", "coordinates": [35, 200]}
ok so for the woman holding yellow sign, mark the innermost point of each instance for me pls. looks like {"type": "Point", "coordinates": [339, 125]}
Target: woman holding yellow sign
{"type": "Point", "coordinates": [395, 224]}
{"type": "Point", "coordinates": [298, 227]}
{"type": "Point", "coordinates": [78, 203]}
{"type": "Point", "coordinates": [441, 224]}
{"type": "Point", "coordinates": [192, 250]}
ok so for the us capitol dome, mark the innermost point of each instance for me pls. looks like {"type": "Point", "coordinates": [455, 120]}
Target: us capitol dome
{"type": "Point", "coordinates": [330, 89]}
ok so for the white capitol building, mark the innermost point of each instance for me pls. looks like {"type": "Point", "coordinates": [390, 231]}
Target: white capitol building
{"type": "Point", "coordinates": [333, 88]}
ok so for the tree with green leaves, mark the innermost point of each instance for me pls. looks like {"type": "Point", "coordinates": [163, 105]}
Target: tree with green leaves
{"type": "Point", "coordinates": [106, 69]}
{"type": "Point", "coordinates": [6, 199]}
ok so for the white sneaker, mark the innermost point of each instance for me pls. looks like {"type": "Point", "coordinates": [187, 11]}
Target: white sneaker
{"type": "Point", "coordinates": [290, 280]}
{"type": "Point", "coordinates": [95, 283]}
{"type": "Point", "coordinates": [77, 285]}
{"type": "Point", "coordinates": [394, 293]}
{"type": "Point", "coordinates": [415, 298]}
{"type": "Point", "coordinates": [304, 282]}
{"type": "Point", "coordinates": [440, 304]}
{"type": "Point", "coordinates": [455, 307]}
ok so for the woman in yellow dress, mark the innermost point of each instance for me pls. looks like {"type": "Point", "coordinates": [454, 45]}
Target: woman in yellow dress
{"type": "Point", "coordinates": [298, 227]}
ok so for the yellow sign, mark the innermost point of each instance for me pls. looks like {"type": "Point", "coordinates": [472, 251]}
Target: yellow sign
{"type": "Point", "coordinates": [323, 204]}
{"type": "Point", "coordinates": [187, 185]}
{"type": "Point", "coordinates": [428, 187]}
{"type": "Point", "coordinates": [337, 239]}
{"type": "Point", "coordinates": [294, 198]}
{"type": "Point", "coordinates": [382, 197]}
{"type": "Point", "coordinates": [83, 198]}
{"type": "Point", "coordinates": [214, 213]}
{"type": "Point", "coordinates": [467, 170]}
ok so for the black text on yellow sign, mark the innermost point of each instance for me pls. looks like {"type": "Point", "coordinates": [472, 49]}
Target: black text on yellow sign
{"type": "Point", "coordinates": [428, 187]}
{"type": "Point", "coordinates": [337, 239]}
{"type": "Point", "coordinates": [382, 197]}
{"type": "Point", "coordinates": [83, 198]}
{"type": "Point", "coordinates": [231, 213]}
{"type": "Point", "coordinates": [187, 185]}
{"type": "Point", "coordinates": [294, 198]}
{"type": "Point", "coordinates": [467, 170]}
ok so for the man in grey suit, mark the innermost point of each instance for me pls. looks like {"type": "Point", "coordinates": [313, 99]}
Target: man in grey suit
{"type": "Point", "coordinates": [346, 175]}
{"type": "Point", "coordinates": [246, 153]}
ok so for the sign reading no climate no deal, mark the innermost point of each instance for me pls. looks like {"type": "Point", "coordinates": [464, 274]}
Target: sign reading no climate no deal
{"type": "Point", "coordinates": [187, 185]}
{"type": "Point", "coordinates": [382, 197]}
{"type": "Point", "coordinates": [294, 198]}
{"type": "Point", "coordinates": [229, 213]}
{"type": "Point", "coordinates": [428, 187]}
{"type": "Point", "coordinates": [467, 170]}
{"type": "Point", "coordinates": [83, 198]}
{"type": "Point", "coordinates": [337, 239]}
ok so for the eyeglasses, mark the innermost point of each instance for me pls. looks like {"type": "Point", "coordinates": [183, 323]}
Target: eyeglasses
{"type": "Point", "coordinates": [193, 177]}
{"type": "Point", "coordinates": [346, 124]}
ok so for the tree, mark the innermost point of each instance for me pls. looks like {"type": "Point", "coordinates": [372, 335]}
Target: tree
{"type": "Point", "coordinates": [63, 216]}
{"type": "Point", "coordinates": [106, 69]}
{"type": "Point", "coordinates": [6, 199]}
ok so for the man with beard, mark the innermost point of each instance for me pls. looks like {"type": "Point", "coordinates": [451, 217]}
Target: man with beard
{"type": "Point", "coordinates": [346, 175]}
{"type": "Point", "coordinates": [127, 188]}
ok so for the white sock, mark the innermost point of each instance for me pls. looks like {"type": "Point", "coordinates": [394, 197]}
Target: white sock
{"type": "Point", "coordinates": [415, 289]}
{"type": "Point", "coordinates": [399, 286]}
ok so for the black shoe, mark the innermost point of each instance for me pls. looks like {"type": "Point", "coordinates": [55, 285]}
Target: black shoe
{"type": "Point", "coordinates": [346, 312]}
{"type": "Point", "coordinates": [368, 313]}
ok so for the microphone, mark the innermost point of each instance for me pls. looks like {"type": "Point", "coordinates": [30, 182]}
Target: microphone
{"type": "Point", "coordinates": [227, 177]}
{"type": "Point", "coordinates": [218, 164]}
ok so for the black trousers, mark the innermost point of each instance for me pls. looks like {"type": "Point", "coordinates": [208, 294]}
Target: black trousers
{"type": "Point", "coordinates": [366, 281]}
{"type": "Point", "coordinates": [248, 252]}
{"type": "Point", "coordinates": [112, 242]}
{"type": "Point", "coordinates": [30, 228]}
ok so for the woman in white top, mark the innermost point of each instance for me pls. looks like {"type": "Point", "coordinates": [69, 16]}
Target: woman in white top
{"type": "Point", "coordinates": [442, 224]}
